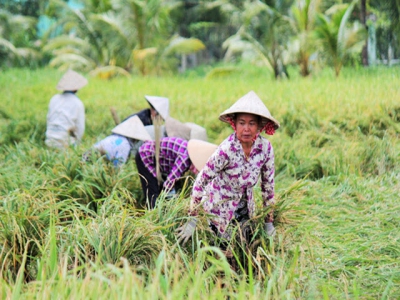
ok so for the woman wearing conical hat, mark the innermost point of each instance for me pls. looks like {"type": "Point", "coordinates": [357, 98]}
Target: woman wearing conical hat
{"type": "Point", "coordinates": [176, 156]}
{"type": "Point", "coordinates": [224, 187]}
{"type": "Point", "coordinates": [159, 106]}
{"type": "Point", "coordinates": [66, 114]}
{"type": "Point", "coordinates": [123, 143]}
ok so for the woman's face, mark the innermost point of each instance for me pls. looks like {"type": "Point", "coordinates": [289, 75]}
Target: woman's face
{"type": "Point", "coordinates": [153, 113]}
{"type": "Point", "coordinates": [246, 127]}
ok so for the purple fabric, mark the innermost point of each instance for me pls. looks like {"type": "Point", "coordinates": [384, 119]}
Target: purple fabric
{"type": "Point", "coordinates": [174, 158]}
{"type": "Point", "coordinates": [228, 175]}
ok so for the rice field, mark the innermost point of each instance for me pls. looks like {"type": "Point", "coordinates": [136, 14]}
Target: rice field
{"type": "Point", "coordinates": [70, 229]}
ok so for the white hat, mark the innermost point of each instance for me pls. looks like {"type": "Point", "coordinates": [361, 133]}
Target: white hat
{"type": "Point", "coordinates": [250, 104]}
{"type": "Point", "coordinates": [151, 130]}
{"type": "Point", "coordinates": [160, 104]}
{"type": "Point", "coordinates": [71, 81]}
{"type": "Point", "coordinates": [199, 152]}
{"type": "Point", "coordinates": [177, 129]}
{"type": "Point", "coordinates": [197, 132]}
{"type": "Point", "coordinates": [132, 128]}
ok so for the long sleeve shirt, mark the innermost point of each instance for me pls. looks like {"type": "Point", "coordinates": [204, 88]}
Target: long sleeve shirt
{"type": "Point", "coordinates": [117, 148]}
{"type": "Point", "coordinates": [174, 158]}
{"type": "Point", "coordinates": [144, 116]}
{"type": "Point", "coordinates": [65, 120]}
{"type": "Point", "coordinates": [229, 174]}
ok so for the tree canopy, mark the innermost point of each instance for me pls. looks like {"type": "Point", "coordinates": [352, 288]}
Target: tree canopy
{"type": "Point", "coordinates": [136, 36]}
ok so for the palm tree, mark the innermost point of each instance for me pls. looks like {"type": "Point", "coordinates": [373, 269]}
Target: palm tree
{"type": "Point", "coordinates": [81, 45]}
{"type": "Point", "coordinates": [125, 34]}
{"type": "Point", "coordinates": [146, 23]}
{"type": "Point", "coordinates": [264, 34]}
{"type": "Point", "coordinates": [304, 16]}
{"type": "Point", "coordinates": [338, 39]}
{"type": "Point", "coordinates": [183, 46]}
{"type": "Point", "coordinates": [17, 40]}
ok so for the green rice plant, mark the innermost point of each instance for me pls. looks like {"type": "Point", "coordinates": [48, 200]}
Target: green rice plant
{"type": "Point", "coordinates": [25, 220]}
{"type": "Point", "coordinates": [336, 180]}
{"type": "Point", "coordinates": [114, 237]}
{"type": "Point", "coordinates": [209, 276]}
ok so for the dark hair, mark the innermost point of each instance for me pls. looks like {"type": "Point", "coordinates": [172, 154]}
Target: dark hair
{"type": "Point", "coordinates": [234, 116]}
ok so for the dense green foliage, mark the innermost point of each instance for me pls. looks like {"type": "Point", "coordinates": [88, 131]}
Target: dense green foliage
{"type": "Point", "coordinates": [70, 229]}
{"type": "Point", "coordinates": [117, 37]}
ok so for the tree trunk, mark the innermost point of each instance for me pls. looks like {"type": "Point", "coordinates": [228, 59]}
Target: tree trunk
{"type": "Point", "coordinates": [363, 19]}
{"type": "Point", "coordinates": [372, 40]}
{"type": "Point", "coordinates": [139, 24]}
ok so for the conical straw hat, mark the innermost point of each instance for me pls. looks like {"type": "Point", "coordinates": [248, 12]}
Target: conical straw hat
{"type": "Point", "coordinates": [160, 104]}
{"type": "Point", "coordinates": [132, 128]}
{"type": "Point", "coordinates": [71, 81]}
{"type": "Point", "coordinates": [177, 129]}
{"type": "Point", "coordinates": [251, 104]}
{"type": "Point", "coordinates": [199, 152]}
{"type": "Point", "coordinates": [197, 132]}
{"type": "Point", "coordinates": [151, 130]}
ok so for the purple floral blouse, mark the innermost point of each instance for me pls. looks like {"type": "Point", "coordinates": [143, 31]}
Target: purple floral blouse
{"type": "Point", "coordinates": [228, 174]}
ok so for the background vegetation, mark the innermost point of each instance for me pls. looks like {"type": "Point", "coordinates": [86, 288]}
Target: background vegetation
{"type": "Point", "coordinates": [69, 229]}
{"type": "Point", "coordinates": [121, 37]}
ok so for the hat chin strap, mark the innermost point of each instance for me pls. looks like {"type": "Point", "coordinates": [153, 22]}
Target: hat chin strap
{"type": "Point", "coordinates": [269, 128]}
{"type": "Point", "coordinates": [256, 136]}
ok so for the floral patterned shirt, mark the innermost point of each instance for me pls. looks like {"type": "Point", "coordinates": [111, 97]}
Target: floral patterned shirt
{"type": "Point", "coordinates": [228, 175]}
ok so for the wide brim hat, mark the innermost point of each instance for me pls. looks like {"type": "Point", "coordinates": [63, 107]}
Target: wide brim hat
{"type": "Point", "coordinates": [250, 104]}
{"type": "Point", "coordinates": [197, 132]}
{"type": "Point", "coordinates": [132, 128]}
{"type": "Point", "coordinates": [175, 128]}
{"type": "Point", "coordinates": [71, 81]}
{"type": "Point", "coordinates": [152, 131]}
{"type": "Point", "coordinates": [199, 152]}
{"type": "Point", "coordinates": [160, 104]}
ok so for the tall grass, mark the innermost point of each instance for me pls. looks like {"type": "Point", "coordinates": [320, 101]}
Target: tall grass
{"type": "Point", "coordinates": [70, 229]}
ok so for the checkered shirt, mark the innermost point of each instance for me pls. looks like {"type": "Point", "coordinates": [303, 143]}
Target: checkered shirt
{"type": "Point", "coordinates": [174, 158]}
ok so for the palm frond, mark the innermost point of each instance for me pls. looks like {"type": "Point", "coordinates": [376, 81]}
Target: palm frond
{"type": "Point", "coordinates": [65, 41]}
{"type": "Point", "coordinates": [108, 72]}
{"type": "Point", "coordinates": [8, 45]}
{"type": "Point", "coordinates": [221, 72]}
{"type": "Point", "coordinates": [181, 45]}
{"type": "Point", "coordinates": [343, 24]}
{"type": "Point", "coordinates": [28, 53]}
{"type": "Point", "coordinates": [142, 54]}
{"type": "Point", "coordinates": [66, 61]}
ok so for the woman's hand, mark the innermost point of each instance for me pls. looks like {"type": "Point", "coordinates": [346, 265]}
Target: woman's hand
{"type": "Point", "coordinates": [186, 231]}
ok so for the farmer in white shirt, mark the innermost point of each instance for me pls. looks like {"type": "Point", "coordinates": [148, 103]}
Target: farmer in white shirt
{"type": "Point", "coordinates": [66, 115]}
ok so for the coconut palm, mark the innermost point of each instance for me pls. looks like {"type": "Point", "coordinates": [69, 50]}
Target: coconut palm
{"type": "Point", "coordinates": [146, 24]}
{"type": "Point", "coordinates": [387, 26]}
{"type": "Point", "coordinates": [339, 39]}
{"type": "Point", "coordinates": [17, 40]}
{"type": "Point", "coordinates": [114, 40]}
{"type": "Point", "coordinates": [80, 45]}
{"type": "Point", "coordinates": [263, 35]}
{"type": "Point", "coordinates": [183, 46]}
{"type": "Point", "coordinates": [304, 16]}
